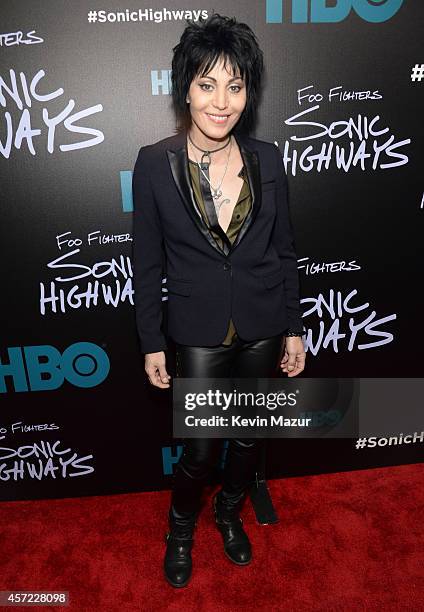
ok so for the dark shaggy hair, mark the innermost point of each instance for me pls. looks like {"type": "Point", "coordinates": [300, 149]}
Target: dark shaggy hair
{"type": "Point", "coordinates": [201, 45]}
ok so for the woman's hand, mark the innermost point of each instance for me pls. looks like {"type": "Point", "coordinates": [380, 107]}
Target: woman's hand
{"type": "Point", "coordinates": [154, 365]}
{"type": "Point", "coordinates": [293, 362]}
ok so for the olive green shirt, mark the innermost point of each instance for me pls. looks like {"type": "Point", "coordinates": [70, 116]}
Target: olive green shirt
{"type": "Point", "coordinates": [240, 212]}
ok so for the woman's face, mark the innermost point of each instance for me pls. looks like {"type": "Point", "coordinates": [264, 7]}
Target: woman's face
{"type": "Point", "coordinates": [216, 101]}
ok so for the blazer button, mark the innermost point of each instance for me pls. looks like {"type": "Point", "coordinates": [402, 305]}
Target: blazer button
{"type": "Point", "coordinates": [227, 266]}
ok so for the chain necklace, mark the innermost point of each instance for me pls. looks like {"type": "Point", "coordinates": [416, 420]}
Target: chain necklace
{"type": "Point", "coordinates": [216, 192]}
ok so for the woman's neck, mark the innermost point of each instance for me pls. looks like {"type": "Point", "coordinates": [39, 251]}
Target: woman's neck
{"type": "Point", "coordinates": [205, 142]}
{"type": "Point", "coordinates": [208, 144]}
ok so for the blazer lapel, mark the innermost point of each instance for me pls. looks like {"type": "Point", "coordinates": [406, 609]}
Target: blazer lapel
{"type": "Point", "coordinates": [251, 162]}
{"type": "Point", "coordinates": [178, 161]}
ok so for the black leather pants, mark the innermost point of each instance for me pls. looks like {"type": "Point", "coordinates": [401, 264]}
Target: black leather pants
{"type": "Point", "coordinates": [257, 359]}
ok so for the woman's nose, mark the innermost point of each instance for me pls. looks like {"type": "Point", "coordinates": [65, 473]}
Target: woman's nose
{"type": "Point", "coordinates": [220, 100]}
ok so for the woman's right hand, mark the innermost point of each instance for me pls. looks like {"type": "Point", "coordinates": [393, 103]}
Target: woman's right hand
{"type": "Point", "coordinates": [154, 365]}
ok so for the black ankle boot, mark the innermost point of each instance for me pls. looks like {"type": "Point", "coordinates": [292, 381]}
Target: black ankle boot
{"type": "Point", "coordinates": [179, 542]}
{"type": "Point", "coordinates": [236, 543]}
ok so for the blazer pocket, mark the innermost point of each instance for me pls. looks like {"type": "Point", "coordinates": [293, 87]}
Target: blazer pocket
{"type": "Point", "coordinates": [274, 279]}
{"type": "Point", "coordinates": [180, 287]}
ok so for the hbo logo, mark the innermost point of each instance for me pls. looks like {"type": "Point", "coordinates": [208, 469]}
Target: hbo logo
{"type": "Point", "coordinates": [83, 364]}
{"type": "Point", "coordinates": [375, 11]}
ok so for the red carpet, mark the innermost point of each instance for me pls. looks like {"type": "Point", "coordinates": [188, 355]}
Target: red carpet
{"type": "Point", "coordinates": [345, 541]}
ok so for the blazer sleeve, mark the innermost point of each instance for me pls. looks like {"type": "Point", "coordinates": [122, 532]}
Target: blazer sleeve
{"type": "Point", "coordinates": [148, 260]}
{"type": "Point", "coordinates": [283, 241]}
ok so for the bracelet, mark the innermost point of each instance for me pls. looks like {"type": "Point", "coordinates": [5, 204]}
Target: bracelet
{"type": "Point", "coordinates": [294, 333]}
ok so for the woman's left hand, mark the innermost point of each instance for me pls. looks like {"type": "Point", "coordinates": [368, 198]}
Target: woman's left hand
{"type": "Point", "coordinates": [293, 362]}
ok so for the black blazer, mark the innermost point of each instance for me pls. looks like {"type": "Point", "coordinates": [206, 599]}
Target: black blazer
{"type": "Point", "coordinates": [255, 281]}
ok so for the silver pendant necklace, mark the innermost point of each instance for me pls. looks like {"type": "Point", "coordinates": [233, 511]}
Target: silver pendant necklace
{"type": "Point", "coordinates": [216, 192]}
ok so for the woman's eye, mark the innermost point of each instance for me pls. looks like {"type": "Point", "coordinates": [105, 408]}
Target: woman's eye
{"type": "Point", "coordinates": [202, 85]}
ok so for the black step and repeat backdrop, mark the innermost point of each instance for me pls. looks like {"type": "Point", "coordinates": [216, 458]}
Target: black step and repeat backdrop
{"type": "Point", "coordinates": [82, 86]}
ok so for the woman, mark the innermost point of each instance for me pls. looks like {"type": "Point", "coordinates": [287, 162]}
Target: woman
{"type": "Point", "coordinates": [210, 208]}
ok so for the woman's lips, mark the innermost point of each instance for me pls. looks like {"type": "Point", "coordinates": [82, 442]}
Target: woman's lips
{"type": "Point", "coordinates": [219, 120]}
